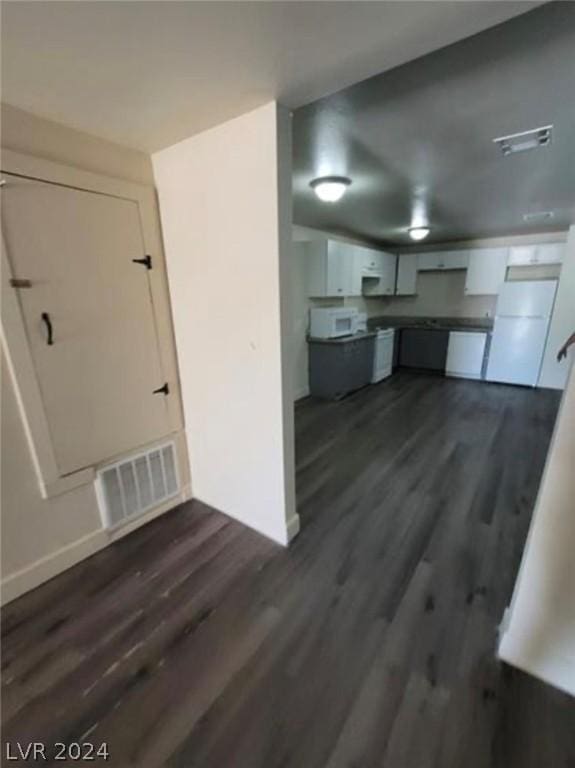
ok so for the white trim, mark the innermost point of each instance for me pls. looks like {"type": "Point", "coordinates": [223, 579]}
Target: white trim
{"type": "Point", "coordinates": [13, 331]}
{"type": "Point", "coordinates": [553, 669]}
{"type": "Point", "coordinates": [69, 482]}
{"type": "Point", "coordinates": [504, 625]}
{"type": "Point", "coordinates": [51, 565]}
{"type": "Point", "coordinates": [187, 492]}
{"type": "Point", "coordinates": [293, 528]}
{"type": "Point", "coordinates": [473, 376]}
{"type": "Point", "coordinates": [301, 393]}
{"type": "Point", "coordinates": [40, 169]}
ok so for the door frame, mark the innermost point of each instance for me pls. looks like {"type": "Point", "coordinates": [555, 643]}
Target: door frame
{"type": "Point", "coordinates": [13, 331]}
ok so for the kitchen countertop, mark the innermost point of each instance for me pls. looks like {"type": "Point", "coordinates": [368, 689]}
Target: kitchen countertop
{"type": "Point", "coordinates": [344, 339]}
{"type": "Point", "coordinates": [475, 324]}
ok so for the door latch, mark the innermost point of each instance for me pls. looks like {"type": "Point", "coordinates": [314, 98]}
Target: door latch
{"type": "Point", "coordinates": [165, 390]}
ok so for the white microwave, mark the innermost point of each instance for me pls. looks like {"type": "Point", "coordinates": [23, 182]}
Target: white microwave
{"type": "Point", "coordinates": [331, 322]}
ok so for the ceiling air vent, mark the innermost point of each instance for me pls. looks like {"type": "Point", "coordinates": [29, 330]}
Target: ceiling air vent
{"type": "Point", "coordinates": [538, 216]}
{"type": "Point", "coordinates": [136, 484]}
{"type": "Point", "coordinates": [521, 142]}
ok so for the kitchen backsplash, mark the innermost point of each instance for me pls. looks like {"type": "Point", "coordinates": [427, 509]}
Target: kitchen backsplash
{"type": "Point", "coordinates": [440, 294]}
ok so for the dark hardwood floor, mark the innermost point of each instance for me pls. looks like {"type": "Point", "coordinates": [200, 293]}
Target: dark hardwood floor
{"type": "Point", "coordinates": [370, 643]}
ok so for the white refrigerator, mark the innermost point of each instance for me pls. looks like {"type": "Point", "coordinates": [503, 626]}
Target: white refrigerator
{"type": "Point", "coordinates": [520, 331]}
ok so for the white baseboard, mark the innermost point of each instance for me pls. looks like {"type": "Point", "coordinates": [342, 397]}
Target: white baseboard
{"type": "Point", "coordinates": [293, 527]}
{"type": "Point", "coordinates": [555, 669]}
{"type": "Point", "coordinates": [35, 574]}
{"type": "Point", "coordinates": [47, 567]}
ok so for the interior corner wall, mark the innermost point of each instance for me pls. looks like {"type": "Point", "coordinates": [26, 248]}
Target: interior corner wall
{"type": "Point", "coordinates": [225, 211]}
{"type": "Point", "coordinates": [539, 630]}
{"type": "Point", "coordinates": [33, 135]}
{"type": "Point", "coordinates": [554, 373]}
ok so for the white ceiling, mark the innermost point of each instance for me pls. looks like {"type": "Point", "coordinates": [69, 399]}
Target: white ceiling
{"type": "Point", "coordinates": [148, 74]}
{"type": "Point", "coordinates": [417, 141]}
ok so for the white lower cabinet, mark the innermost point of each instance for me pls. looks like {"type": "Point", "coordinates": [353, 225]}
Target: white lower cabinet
{"type": "Point", "coordinates": [465, 354]}
{"type": "Point", "coordinates": [486, 271]}
{"type": "Point", "coordinates": [383, 357]}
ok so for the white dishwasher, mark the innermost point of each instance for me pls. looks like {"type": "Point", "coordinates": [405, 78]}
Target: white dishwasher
{"type": "Point", "coordinates": [383, 357]}
{"type": "Point", "coordinates": [465, 354]}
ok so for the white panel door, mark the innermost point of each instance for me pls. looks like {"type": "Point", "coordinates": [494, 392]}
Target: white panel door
{"type": "Point", "coordinates": [437, 260]}
{"type": "Point", "coordinates": [550, 253]}
{"type": "Point", "coordinates": [429, 261]}
{"type": "Point", "coordinates": [453, 259]}
{"type": "Point", "coordinates": [406, 275]}
{"type": "Point", "coordinates": [522, 255]}
{"type": "Point", "coordinates": [516, 350]}
{"type": "Point", "coordinates": [486, 271]}
{"type": "Point", "coordinates": [340, 262]}
{"type": "Point", "coordinates": [389, 269]}
{"type": "Point", "coordinates": [465, 354]}
{"type": "Point", "coordinates": [88, 317]}
{"type": "Point", "coordinates": [531, 255]}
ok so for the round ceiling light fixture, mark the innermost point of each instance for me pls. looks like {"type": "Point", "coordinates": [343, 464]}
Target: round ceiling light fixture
{"type": "Point", "coordinates": [330, 189]}
{"type": "Point", "coordinates": [418, 233]}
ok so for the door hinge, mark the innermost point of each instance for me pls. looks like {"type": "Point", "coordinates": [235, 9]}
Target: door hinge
{"type": "Point", "coordinates": [165, 390]}
{"type": "Point", "coordinates": [17, 282]}
{"type": "Point", "coordinates": [146, 261]}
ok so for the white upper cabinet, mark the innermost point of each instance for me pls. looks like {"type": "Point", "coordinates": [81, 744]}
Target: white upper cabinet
{"type": "Point", "coordinates": [376, 272]}
{"type": "Point", "coordinates": [345, 269]}
{"type": "Point", "coordinates": [406, 275]}
{"type": "Point", "coordinates": [442, 260]}
{"type": "Point", "coordinates": [532, 255]}
{"type": "Point", "coordinates": [331, 266]}
{"type": "Point", "coordinates": [486, 271]}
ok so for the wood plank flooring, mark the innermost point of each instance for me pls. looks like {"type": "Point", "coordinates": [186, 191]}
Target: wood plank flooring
{"type": "Point", "coordinates": [369, 643]}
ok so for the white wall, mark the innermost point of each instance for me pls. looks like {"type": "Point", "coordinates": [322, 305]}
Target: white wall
{"type": "Point", "coordinates": [539, 629]}
{"type": "Point", "coordinates": [553, 373]}
{"type": "Point", "coordinates": [226, 212]}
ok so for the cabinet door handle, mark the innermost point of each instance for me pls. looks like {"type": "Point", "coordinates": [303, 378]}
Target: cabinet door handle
{"type": "Point", "coordinates": [49, 330]}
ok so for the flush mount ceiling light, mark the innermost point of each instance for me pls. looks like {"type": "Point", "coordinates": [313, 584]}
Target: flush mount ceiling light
{"type": "Point", "coordinates": [330, 189]}
{"type": "Point", "coordinates": [418, 233]}
{"type": "Point", "coordinates": [521, 142]}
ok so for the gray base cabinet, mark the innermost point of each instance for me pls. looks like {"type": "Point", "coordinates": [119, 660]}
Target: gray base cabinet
{"type": "Point", "coordinates": [423, 348]}
{"type": "Point", "coordinates": [339, 367]}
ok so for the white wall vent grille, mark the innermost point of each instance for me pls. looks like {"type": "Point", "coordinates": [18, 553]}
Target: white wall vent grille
{"type": "Point", "coordinates": [134, 485]}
